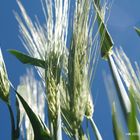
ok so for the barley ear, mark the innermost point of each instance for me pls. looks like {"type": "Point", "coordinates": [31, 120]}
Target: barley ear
{"type": "Point", "coordinates": [89, 107]}
{"type": "Point", "coordinates": [4, 82]}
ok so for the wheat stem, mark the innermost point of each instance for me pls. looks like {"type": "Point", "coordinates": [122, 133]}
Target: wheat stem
{"type": "Point", "coordinates": [12, 122]}
{"type": "Point", "coordinates": [95, 129]}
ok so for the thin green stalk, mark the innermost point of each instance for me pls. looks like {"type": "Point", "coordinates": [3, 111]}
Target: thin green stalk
{"type": "Point", "coordinates": [59, 127]}
{"type": "Point", "coordinates": [12, 121]}
{"type": "Point", "coordinates": [76, 136]}
{"type": "Point", "coordinates": [82, 135]}
{"type": "Point", "coordinates": [95, 129]}
{"type": "Point", "coordinates": [120, 87]}
{"type": "Point", "coordinates": [17, 131]}
{"type": "Point", "coordinates": [87, 129]}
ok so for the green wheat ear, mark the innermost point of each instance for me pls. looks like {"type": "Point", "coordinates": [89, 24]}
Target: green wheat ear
{"type": "Point", "coordinates": [4, 82]}
{"type": "Point", "coordinates": [89, 107]}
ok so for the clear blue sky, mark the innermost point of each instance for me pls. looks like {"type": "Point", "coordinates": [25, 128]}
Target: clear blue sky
{"type": "Point", "coordinates": [125, 14]}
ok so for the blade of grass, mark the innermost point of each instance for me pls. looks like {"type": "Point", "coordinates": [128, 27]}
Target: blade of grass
{"type": "Point", "coordinates": [116, 128]}
{"type": "Point", "coordinates": [106, 39]}
{"type": "Point", "coordinates": [17, 131]}
{"type": "Point", "coordinates": [39, 132]}
{"type": "Point", "coordinates": [26, 59]}
{"type": "Point", "coordinates": [132, 119]}
{"type": "Point", "coordinates": [12, 122]}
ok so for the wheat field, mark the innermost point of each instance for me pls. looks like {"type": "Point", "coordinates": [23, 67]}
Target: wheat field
{"type": "Point", "coordinates": [67, 77]}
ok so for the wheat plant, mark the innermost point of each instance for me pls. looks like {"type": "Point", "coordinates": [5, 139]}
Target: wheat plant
{"type": "Point", "coordinates": [64, 51]}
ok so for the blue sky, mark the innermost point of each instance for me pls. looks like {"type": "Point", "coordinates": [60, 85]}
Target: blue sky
{"type": "Point", "coordinates": [123, 17]}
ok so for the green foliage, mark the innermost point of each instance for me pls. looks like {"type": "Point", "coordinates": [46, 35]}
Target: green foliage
{"type": "Point", "coordinates": [26, 59]}
{"type": "Point", "coordinates": [106, 42]}
{"type": "Point", "coordinates": [17, 129]}
{"type": "Point", "coordinates": [133, 123]}
{"type": "Point", "coordinates": [41, 132]}
{"type": "Point", "coordinates": [116, 125]}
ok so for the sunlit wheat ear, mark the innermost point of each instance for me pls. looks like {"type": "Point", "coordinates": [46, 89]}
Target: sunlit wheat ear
{"type": "Point", "coordinates": [39, 40]}
{"type": "Point", "coordinates": [33, 92]}
{"type": "Point", "coordinates": [4, 82]}
{"type": "Point", "coordinates": [78, 64]}
{"type": "Point", "coordinates": [83, 55]}
{"type": "Point", "coordinates": [126, 70]}
{"type": "Point", "coordinates": [89, 107]}
{"type": "Point", "coordinates": [124, 98]}
{"type": "Point", "coordinates": [128, 74]}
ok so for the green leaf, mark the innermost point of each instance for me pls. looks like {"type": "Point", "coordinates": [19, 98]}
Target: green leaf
{"type": "Point", "coordinates": [40, 133]}
{"type": "Point", "coordinates": [137, 99]}
{"type": "Point", "coordinates": [106, 42]}
{"type": "Point", "coordinates": [137, 30]}
{"type": "Point", "coordinates": [132, 118]}
{"type": "Point", "coordinates": [116, 128]}
{"type": "Point", "coordinates": [12, 122]}
{"type": "Point", "coordinates": [26, 59]}
{"type": "Point", "coordinates": [17, 131]}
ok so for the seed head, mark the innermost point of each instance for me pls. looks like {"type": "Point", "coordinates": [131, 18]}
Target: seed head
{"type": "Point", "coordinates": [4, 82]}
{"type": "Point", "coordinates": [89, 107]}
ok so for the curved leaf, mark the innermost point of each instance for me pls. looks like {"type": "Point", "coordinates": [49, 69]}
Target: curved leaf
{"type": "Point", "coordinates": [26, 59]}
{"type": "Point", "coordinates": [40, 132]}
{"type": "Point", "coordinates": [106, 42]}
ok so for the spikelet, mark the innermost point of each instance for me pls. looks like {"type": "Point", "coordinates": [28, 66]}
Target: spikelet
{"type": "Point", "coordinates": [89, 107]}
{"type": "Point", "coordinates": [51, 97]}
{"type": "Point", "coordinates": [77, 64]}
{"type": "Point", "coordinates": [4, 82]}
{"type": "Point", "coordinates": [52, 82]}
